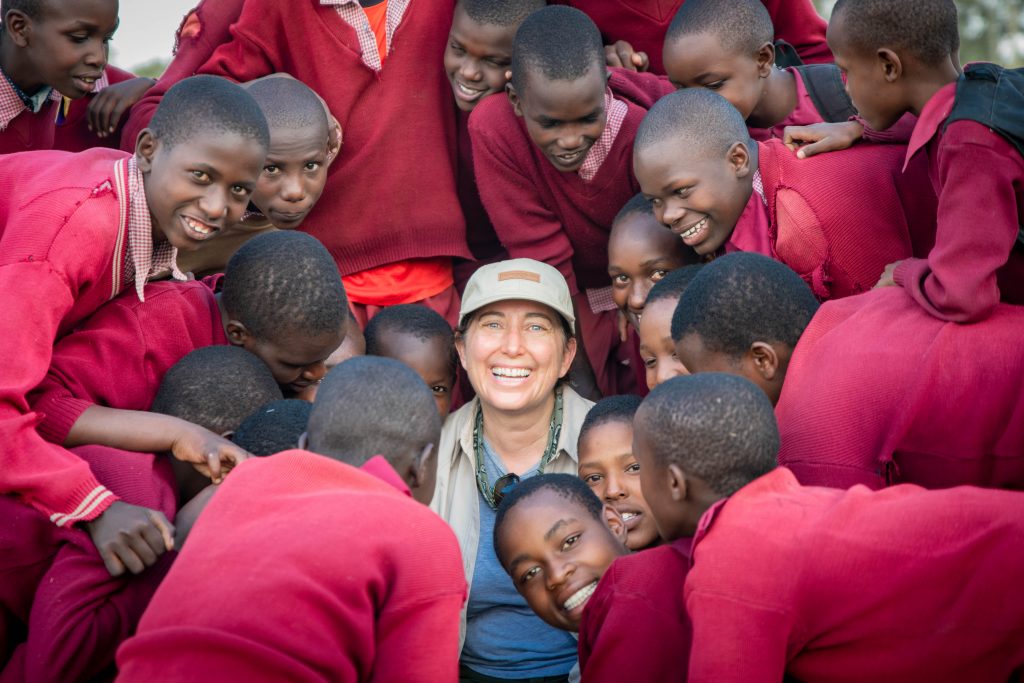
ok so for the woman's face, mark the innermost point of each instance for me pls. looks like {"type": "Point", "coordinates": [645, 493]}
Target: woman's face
{"type": "Point", "coordinates": [514, 352]}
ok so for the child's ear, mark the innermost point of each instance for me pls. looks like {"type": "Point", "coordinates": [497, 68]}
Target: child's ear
{"type": "Point", "coordinates": [18, 26]}
{"type": "Point", "coordinates": [145, 150]}
{"type": "Point", "coordinates": [513, 97]}
{"type": "Point", "coordinates": [613, 520]}
{"type": "Point", "coordinates": [765, 359]}
{"type": "Point", "coordinates": [890, 64]}
{"type": "Point", "coordinates": [238, 334]}
{"type": "Point", "coordinates": [677, 484]}
{"type": "Point", "coordinates": [738, 157]}
{"type": "Point", "coordinates": [765, 59]}
{"type": "Point", "coordinates": [420, 466]}
{"type": "Point", "coordinates": [229, 434]}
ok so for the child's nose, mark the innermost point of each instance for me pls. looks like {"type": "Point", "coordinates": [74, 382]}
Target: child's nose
{"type": "Point", "coordinates": [291, 190]}
{"type": "Point", "coordinates": [637, 296]}
{"type": "Point", "coordinates": [214, 204]}
{"type": "Point", "coordinates": [315, 372]}
{"type": "Point", "coordinates": [470, 70]}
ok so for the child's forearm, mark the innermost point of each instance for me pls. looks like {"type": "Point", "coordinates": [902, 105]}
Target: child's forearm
{"type": "Point", "coordinates": [130, 430]}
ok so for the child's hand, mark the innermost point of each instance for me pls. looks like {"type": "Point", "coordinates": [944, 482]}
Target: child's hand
{"type": "Point", "coordinates": [212, 455]}
{"type": "Point", "coordinates": [817, 138]}
{"type": "Point", "coordinates": [622, 322]}
{"type": "Point", "coordinates": [111, 103]}
{"type": "Point", "coordinates": [623, 55]}
{"type": "Point", "coordinates": [887, 279]}
{"type": "Point", "coordinates": [130, 537]}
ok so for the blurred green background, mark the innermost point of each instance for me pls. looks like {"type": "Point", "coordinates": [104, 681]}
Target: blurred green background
{"type": "Point", "coordinates": [990, 30]}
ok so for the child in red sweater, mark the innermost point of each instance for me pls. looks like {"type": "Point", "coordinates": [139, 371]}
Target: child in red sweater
{"type": "Point", "coordinates": [48, 49]}
{"type": "Point", "coordinates": [817, 584]}
{"type": "Point", "coordinates": [657, 350]}
{"type": "Point", "coordinates": [643, 24]}
{"type": "Point", "coordinates": [386, 609]}
{"type": "Point", "coordinates": [907, 397]}
{"type": "Point", "coordinates": [553, 163]}
{"type": "Point", "coordinates": [476, 59]}
{"type": "Point", "coordinates": [421, 339]}
{"type": "Point", "coordinates": [76, 230]}
{"type": "Point", "coordinates": [95, 120]}
{"type": "Point", "coordinates": [564, 550]}
{"type": "Point", "coordinates": [607, 465]}
{"type": "Point", "coordinates": [897, 58]}
{"type": "Point", "coordinates": [294, 173]}
{"type": "Point", "coordinates": [80, 613]}
{"type": "Point", "coordinates": [721, 192]}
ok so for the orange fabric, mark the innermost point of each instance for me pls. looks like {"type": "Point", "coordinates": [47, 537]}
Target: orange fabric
{"type": "Point", "coordinates": [377, 15]}
{"type": "Point", "coordinates": [402, 282]}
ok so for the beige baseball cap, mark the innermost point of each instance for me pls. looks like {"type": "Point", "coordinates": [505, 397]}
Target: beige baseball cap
{"type": "Point", "coordinates": [518, 279]}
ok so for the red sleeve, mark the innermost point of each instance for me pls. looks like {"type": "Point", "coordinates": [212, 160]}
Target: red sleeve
{"type": "Point", "coordinates": [81, 614]}
{"type": "Point", "coordinates": [201, 32]}
{"type": "Point", "coordinates": [897, 134]}
{"type": "Point", "coordinates": [526, 226]}
{"type": "Point", "coordinates": [980, 178]}
{"type": "Point", "coordinates": [79, 374]}
{"type": "Point", "coordinates": [800, 25]}
{"type": "Point", "coordinates": [429, 626]}
{"type": "Point", "coordinates": [35, 299]}
{"type": "Point", "coordinates": [736, 641]}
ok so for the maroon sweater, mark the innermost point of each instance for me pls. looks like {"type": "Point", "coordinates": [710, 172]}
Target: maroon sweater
{"type": "Point", "coordinates": [62, 255]}
{"type": "Point", "coordinates": [880, 392]}
{"type": "Point", "coordinates": [142, 340]}
{"type": "Point", "coordinates": [80, 613]}
{"type": "Point", "coordinates": [391, 193]}
{"type": "Point", "coordinates": [313, 599]}
{"type": "Point", "coordinates": [643, 23]}
{"type": "Point", "coordinates": [542, 213]}
{"type": "Point", "coordinates": [28, 132]}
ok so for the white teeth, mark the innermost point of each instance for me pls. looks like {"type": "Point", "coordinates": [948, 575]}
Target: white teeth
{"type": "Point", "coordinates": [201, 228]}
{"type": "Point", "coordinates": [579, 597]}
{"type": "Point", "coordinates": [469, 92]}
{"type": "Point", "coordinates": [626, 516]}
{"type": "Point", "coordinates": [511, 372]}
{"type": "Point", "coordinates": [695, 229]}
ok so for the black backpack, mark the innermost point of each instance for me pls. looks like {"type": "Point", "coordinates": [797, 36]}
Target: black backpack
{"type": "Point", "coordinates": [993, 96]}
{"type": "Point", "coordinates": [824, 84]}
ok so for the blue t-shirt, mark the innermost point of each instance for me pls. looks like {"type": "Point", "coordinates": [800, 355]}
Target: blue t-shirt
{"type": "Point", "coordinates": [504, 638]}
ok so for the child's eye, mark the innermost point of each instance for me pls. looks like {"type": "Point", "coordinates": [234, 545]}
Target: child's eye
{"type": "Point", "coordinates": [621, 279]}
{"type": "Point", "coordinates": [650, 362]}
{"type": "Point", "coordinates": [682, 191]}
{"type": "Point", "coordinates": [717, 85]}
{"type": "Point", "coordinates": [201, 176]}
{"type": "Point", "coordinates": [529, 574]}
{"type": "Point", "coordinates": [655, 202]}
{"type": "Point", "coordinates": [439, 389]}
{"type": "Point", "coordinates": [456, 48]}
{"type": "Point", "coordinates": [658, 274]}
{"type": "Point", "coordinates": [592, 479]}
{"type": "Point", "coordinates": [312, 165]}
{"type": "Point", "coordinates": [271, 169]}
{"type": "Point", "coordinates": [78, 37]}
{"type": "Point", "coordinates": [240, 191]}
{"type": "Point", "coordinates": [107, 39]}
{"type": "Point", "coordinates": [633, 468]}
{"type": "Point", "coordinates": [498, 62]}
{"type": "Point", "coordinates": [570, 542]}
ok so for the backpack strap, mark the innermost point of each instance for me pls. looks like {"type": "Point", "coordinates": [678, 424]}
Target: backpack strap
{"type": "Point", "coordinates": [825, 85]}
{"type": "Point", "coordinates": [786, 55]}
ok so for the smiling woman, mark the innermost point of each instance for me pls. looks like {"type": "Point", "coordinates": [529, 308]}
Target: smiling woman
{"type": "Point", "coordinates": [516, 341]}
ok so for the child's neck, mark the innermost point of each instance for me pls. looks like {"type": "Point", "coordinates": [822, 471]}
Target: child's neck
{"type": "Point", "coordinates": [778, 102]}
{"type": "Point", "coordinates": [520, 438]}
{"type": "Point", "coordinates": [11, 64]}
{"type": "Point", "coordinates": [924, 82]}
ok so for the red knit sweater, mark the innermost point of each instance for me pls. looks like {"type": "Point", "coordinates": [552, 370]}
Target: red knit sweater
{"type": "Point", "coordinates": [802, 583]}
{"type": "Point", "coordinates": [202, 31]}
{"type": "Point", "coordinates": [542, 213]}
{"type": "Point", "coordinates": [62, 255]}
{"type": "Point", "coordinates": [635, 626]}
{"type": "Point", "coordinates": [643, 23]}
{"type": "Point", "coordinates": [390, 194]}
{"type": "Point", "coordinates": [839, 219]}
{"type": "Point", "coordinates": [29, 132]}
{"type": "Point", "coordinates": [140, 340]}
{"type": "Point", "coordinates": [878, 391]}
{"type": "Point", "coordinates": [80, 613]}
{"type": "Point", "coordinates": [313, 599]}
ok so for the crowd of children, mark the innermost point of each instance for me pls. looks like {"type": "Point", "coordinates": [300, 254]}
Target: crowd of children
{"type": "Point", "coordinates": [303, 340]}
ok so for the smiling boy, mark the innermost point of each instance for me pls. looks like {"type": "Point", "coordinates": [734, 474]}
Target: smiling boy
{"type": "Point", "coordinates": [79, 229]}
{"type": "Point", "coordinates": [48, 49]}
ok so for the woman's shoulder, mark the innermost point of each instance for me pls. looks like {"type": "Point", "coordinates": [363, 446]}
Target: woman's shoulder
{"type": "Point", "coordinates": [575, 407]}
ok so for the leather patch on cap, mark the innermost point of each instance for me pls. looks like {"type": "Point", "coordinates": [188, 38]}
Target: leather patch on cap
{"type": "Point", "coordinates": [518, 275]}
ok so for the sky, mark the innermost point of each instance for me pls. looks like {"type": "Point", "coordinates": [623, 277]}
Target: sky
{"type": "Point", "coordinates": [147, 30]}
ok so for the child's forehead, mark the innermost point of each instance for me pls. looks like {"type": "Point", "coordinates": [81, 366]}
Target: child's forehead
{"type": "Point", "coordinates": [484, 35]}
{"type": "Point", "coordinates": [606, 439]}
{"type": "Point", "coordinates": [297, 142]}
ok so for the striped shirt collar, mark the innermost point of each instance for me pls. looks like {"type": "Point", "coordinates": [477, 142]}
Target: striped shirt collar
{"type": "Point", "coordinates": [352, 14]}
{"type": "Point", "coordinates": [14, 100]}
{"type": "Point", "coordinates": [616, 114]}
{"type": "Point", "coordinates": [145, 260]}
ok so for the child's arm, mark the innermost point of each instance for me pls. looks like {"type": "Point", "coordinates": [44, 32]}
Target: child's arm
{"type": "Point", "coordinates": [978, 224]}
{"type": "Point", "coordinates": [136, 430]}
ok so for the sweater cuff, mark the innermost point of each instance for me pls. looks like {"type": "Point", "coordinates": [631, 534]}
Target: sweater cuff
{"type": "Point", "coordinates": [908, 271]}
{"type": "Point", "coordinates": [88, 501]}
{"type": "Point", "coordinates": [59, 416]}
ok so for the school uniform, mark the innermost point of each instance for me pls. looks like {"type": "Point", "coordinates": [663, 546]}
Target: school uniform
{"type": "Point", "coordinates": [979, 178]}
{"type": "Point", "coordinates": [644, 24]}
{"type": "Point", "coordinates": [634, 626]}
{"type": "Point", "coordinates": [71, 131]}
{"type": "Point", "coordinates": [276, 586]}
{"type": "Point", "coordinates": [76, 232]}
{"type": "Point", "coordinates": [202, 30]}
{"type": "Point", "coordinates": [119, 356]}
{"type": "Point", "coordinates": [564, 219]}
{"type": "Point", "coordinates": [26, 123]}
{"type": "Point", "coordinates": [879, 392]}
{"type": "Point", "coordinates": [816, 584]}
{"type": "Point", "coordinates": [836, 219]}
{"type": "Point", "coordinates": [80, 614]}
